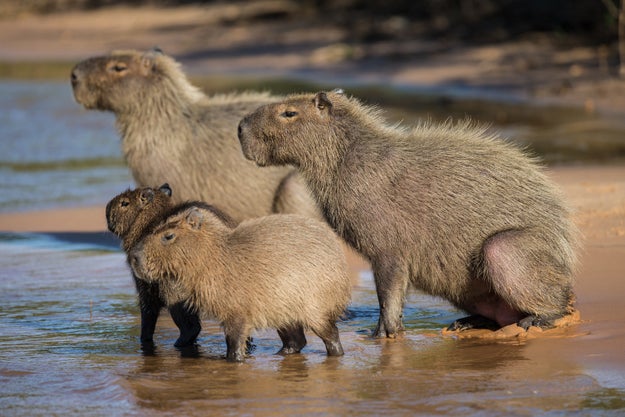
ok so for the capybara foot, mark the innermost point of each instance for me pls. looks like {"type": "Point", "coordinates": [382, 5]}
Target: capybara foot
{"type": "Point", "coordinates": [188, 336]}
{"type": "Point", "coordinates": [293, 339]}
{"type": "Point", "coordinates": [473, 322]}
{"type": "Point", "coordinates": [249, 345]}
{"type": "Point", "coordinates": [387, 331]}
{"type": "Point", "coordinates": [537, 321]}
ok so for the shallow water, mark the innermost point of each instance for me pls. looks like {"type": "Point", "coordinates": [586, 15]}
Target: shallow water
{"type": "Point", "coordinates": [69, 323]}
{"type": "Point", "coordinates": [57, 154]}
{"type": "Point", "coordinates": [54, 153]}
{"type": "Point", "coordinates": [69, 346]}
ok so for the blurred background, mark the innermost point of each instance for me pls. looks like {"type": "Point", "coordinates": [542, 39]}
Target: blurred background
{"type": "Point", "coordinates": [545, 73]}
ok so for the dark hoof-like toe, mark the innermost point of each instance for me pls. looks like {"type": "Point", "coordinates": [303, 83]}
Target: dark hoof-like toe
{"type": "Point", "coordinates": [473, 322]}
{"type": "Point", "coordinates": [536, 321]}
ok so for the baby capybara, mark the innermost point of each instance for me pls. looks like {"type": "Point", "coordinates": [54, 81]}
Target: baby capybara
{"type": "Point", "coordinates": [172, 132]}
{"type": "Point", "coordinates": [453, 210]}
{"type": "Point", "coordinates": [130, 215]}
{"type": "Point", "coordinates": [281, 271]}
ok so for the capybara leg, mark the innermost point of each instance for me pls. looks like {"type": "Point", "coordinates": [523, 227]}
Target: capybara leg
{"type": "Point", "coordinates": [293, 197]}
{"type": "Point", "coordinates": [390, 283]}
{"type": "Point", "coordinates": [330, 336]}
{"type": "Point", "coordinates": [188, 322]}
{"type": "Point", "coordinates": [529, 276]}
{"type": "Point", "coordinates": [236, 341]}
{"type": "Point", "coordinates": [293, 339]}
{"type": "Point", "coordinates": [473, 322]}
{"type": "Point", "coordinates": [150, 305]}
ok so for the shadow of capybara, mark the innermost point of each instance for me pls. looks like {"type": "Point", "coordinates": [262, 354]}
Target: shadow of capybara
{"type": "Point", "coordinates": [130, 216]}
{"type": "Point", "coordinates": [172, 132]}
{"type": "Point", "coordinates": [451, 209]}
{"type": "Point", "coordinates": [286, 272]}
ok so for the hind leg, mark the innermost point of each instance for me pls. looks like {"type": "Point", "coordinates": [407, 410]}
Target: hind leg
{"type": "Point", "coordinates": [188, 322]}
{"type": "Point", "coordinates": [527, 277]}
{"type": "Point", "coordinates": [293, 339]}
{"type": "Point", "coordinates": [329, 333]}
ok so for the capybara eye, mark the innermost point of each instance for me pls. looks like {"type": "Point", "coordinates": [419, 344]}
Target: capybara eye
{"type": "Point", "coordinates": [119, 67]}
{"type": "Point", "coordinates": [124, 203]}
{"type": "Point", "coordinates": [168, 237]}
{"type": "Point", "coordinates": [289, 114]}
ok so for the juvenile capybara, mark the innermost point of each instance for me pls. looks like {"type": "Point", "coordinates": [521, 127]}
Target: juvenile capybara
{"type": "Point", "coordinates": [286, 272]}
{"type": "Point", "coordinates": [130, 215]}
{"type": "Point", "coordinates": [172, 132]}
{"type": "Point", "coordinates": [453, 210]}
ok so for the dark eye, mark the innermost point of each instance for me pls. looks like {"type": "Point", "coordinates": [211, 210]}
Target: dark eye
{"type": "Point", "coordinates": [169, 236]}
{"type": "Point", "coordinates": [119, 67]}
{"type": "Point", "coordinates": [289, 114]}
{"type": "Point", "coordinates": [124, 203]}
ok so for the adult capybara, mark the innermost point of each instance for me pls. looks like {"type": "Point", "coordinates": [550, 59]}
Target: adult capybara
{"type": "Point", "coordinates": [286, 272]}
{"type": "Point", "coordinates": [453, 210]}
{"type": "Point", "coordinates": [130, 215]}
{"type": "Point", "coordinates": [172, 132]}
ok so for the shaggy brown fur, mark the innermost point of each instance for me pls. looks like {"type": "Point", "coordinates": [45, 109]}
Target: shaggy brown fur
{"type": "Point", "coordinates": [453, 210]}
{"type": "Point", "coordinates": [171, 132]}
{"type": "Point", "coordinates": [286, 272]}
{"type": "Point", "coordinates": [131, 215]}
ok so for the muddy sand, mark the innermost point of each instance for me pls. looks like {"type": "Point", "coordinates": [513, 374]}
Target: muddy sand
{"type": "Point", "coordinates": [594, 341]}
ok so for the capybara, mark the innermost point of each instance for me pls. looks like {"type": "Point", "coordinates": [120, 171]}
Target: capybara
{"type": "Point", "coordinates": [286, 272]}
{"type": "Point", "coordinates": [172, 132]}
{"type": "Point", "coordinates": [457, 212]}
{"type": "Point", "coordinates": [130, 215]}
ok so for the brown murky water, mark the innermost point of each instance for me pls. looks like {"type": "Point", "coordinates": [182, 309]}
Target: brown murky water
{"type": "Point", "coordinates": [68, 346]}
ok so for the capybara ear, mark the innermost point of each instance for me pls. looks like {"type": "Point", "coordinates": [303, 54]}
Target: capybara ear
{"type": "Point", "coordinates": [146, 196]}
{"type": "Point", "coordinates": [322, 102]}
{"type": "Point", "coordinates": [195, 218]}
{"type": "Point", "coordinates": [166, 189]}
{"type": "Point", "coordinates": [338, 91]}
{"type": "Point", "coordinates": [157, 50]}
{"type": "Point", "coordinates": [148, 61]}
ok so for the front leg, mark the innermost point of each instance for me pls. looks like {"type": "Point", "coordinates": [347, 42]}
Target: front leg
{"type": "Point", "coordinates": [187, 321]}
{"type": "Point", "coordinates": [237, 333]}
{"type": "Point", "coordinates": [391, 281]}
{"type": "Point", "coordinates": [150, 305]}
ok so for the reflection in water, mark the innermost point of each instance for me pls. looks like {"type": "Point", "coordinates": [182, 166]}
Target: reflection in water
{"type": "Point", "coordinates": [69, 324]}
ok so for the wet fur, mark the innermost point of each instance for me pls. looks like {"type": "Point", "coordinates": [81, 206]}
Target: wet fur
{"type": "Point", "coordinates": [449, 208]}
{"type": "Point", "coordinates": [286, 272]}
{"type": "Point", "coordinates": [130, 216]}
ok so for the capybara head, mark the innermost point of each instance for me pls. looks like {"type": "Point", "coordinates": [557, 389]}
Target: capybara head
{"type": "Point", "coordinates": [176, 246]}
{"type": "Point", "coordinates": [285, 132]}
{"type": "Point", "coordinates": [144, 204]}
{"type": "Point", "coordinates": [125, 79]}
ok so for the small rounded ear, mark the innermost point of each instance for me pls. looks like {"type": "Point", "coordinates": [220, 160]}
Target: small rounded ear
{"type": "Point", "coordinates": [157, 50]}
{"type": "Point", "coordinates": [148, 61]}
{"type": "Point", "coordinates": [166, 189]}
{"type": "Point", "coordinates": [338, 91]}
{"type": "Point", "coordinates": [195, 218]}
{"type": "Point", "coordinates": [322, 102]}
{"type": "Point", "coordinates": [146, 196]}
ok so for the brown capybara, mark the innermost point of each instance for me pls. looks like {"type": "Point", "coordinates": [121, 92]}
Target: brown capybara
{"type": "Point", "coordinates": [451, 209]}
{"type": "Point", "coordinates": [172, 132]}
{"type": "Point", "coordinates": [130, 215]}
{"type": "Point", "coordinates": [286, 272]}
